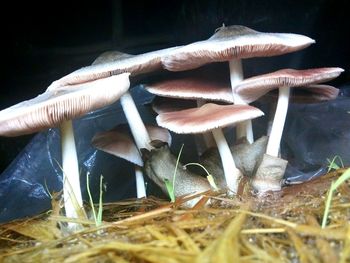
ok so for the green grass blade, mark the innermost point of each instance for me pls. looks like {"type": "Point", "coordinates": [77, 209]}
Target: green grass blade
{"type": "Point", "coordinates": [210, 178]}
{"type": "Point", "coordinates": [100, 205]}
{"type": "Point", "coordinates": [90, 197]}
{"type": "Point", "coordinates": [170, 186]}
{"type": "Point", "coordinates": [335, 184]}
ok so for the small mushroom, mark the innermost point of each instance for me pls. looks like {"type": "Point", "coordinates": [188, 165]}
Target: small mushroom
{"type": "Point", "coordinates": [118, 142]}
{"type": "Point", "coordinates": [58, 108]}
{"type": "Point", "coordinates": [232, 44]}
{"type": "Point", "coordinates": [212, 117]}
{"type": "Point", "coordinates": [272, 168]}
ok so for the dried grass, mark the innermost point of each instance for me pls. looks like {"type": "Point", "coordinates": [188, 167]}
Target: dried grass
{"type": "Point", "coordinates": [279, 227]}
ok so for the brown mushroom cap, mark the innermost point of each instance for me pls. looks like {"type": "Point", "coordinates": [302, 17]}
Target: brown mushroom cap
{"type": "Point", "coordinates": [119, 143]}
{"type": "Point", "coordinates": [253, 88]}
{"type": "Point", "coordinates": [233, 42]}
{"type": "Point", "coordinates": [52, 107]}
{"type": "Point", "coordinates": [207, 117]}
{"type": "Point", "coordinates": [134, 64]}
{"type": "Point", "coordinates": [193, 88]}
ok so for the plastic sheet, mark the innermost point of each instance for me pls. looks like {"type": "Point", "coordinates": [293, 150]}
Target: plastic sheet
{"type": "Point", "coordinates": [313, 134]}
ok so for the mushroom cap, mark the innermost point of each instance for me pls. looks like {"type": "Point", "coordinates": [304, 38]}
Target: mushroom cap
{"type": "Point", "coordinates": [309, 94]}
{"type": "Point", "coordinates": [111, 56]}
{"type": "Point", "coordinates": [52, 107]}
{"type": "Point", "coordinates": [206, 118]}
{"type": "Point", "coordinates": [119, 143]}
{"type": "Point", "coordinates": [106, 66]}
{"type": "Point", "coordinates": [233, 42]}
{"type": "Point", "coordinates": [253, 88]}
{"type": "Point", "coordinates": [193, 88]}
{"type": "Point", "coordinates": [163, 104]}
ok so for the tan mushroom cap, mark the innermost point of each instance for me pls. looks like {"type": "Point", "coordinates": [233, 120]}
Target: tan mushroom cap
{"type": "Point", "coordinates": [207, 117]}
{"type": "Point", "coordinates": [119, 143]}
{"type": "Point", "coordinates": [121, 63]}
{"type": "Point", "coordinates": [50, 108]}
{"type": "Point", "coordinates": [234, 42]}
{"type": "Point", "coordinates": [253, 88]}
{"type": "Point", "coordinates": [193, 88]}
{"type": "Point", "coordinates": [309, 94]}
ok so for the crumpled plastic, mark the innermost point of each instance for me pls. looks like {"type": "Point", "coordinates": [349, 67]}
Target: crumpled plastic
{"type": "Point", "coordinates": [313, 134]}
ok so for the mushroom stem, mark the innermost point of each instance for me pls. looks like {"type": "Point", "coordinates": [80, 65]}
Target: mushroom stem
{"type": "Point", "coordinates": [232, 174]}
{"type": "Point", "coordinates": [135, 122]}
{"type": "Point", "coordinates": [272, 110]}
{"type": "Point", "coordinates": [140, 182]}
{"type": "Point", "coordinates": [73, 202]}
{"type": "Point", "coordinates": [243, 129]}
{"type": "Point", "coordinates": [207, 137]}
{"type": "Point", "coordinates": [273, 144]}
{"type": "Point", "coordinates": [236, 71]}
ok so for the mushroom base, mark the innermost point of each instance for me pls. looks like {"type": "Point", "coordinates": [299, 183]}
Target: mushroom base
{"type": "Point", "coordinates": [160, 165]}
{"type": "Point", "coordinates": [245, 155]}
{"type": "Point", "coordinates": [269, 174]}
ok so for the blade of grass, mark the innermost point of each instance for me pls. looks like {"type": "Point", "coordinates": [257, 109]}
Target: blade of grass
{"type": "Point", "coordinates": [333, 165]}
{"type": "Point", "coordinates": [98, 216]}
{"type": "Point", "coordinates": [210, 178]}
{"type": "Point", "coordinates": [335, 184]}
{"type": "Point", "coordinates": [170, 186]}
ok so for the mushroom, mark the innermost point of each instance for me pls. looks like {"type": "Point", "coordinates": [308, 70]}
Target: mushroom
{"type": "Point", "coordinates": [194, 86]}
{"type": "Point", "coordinates": [118, 142]}
{"type": "Point", "coordinates": [57, 108]}
{"type": "Point", "coordinates": [114, 63]}
{"type": "Point", "coordinates": [212, 117]}
{"type": "Point", "coordinates": [309, 94]}
{"type": "Point", "coordinates": [272, 168]}
{"type": "Point", "coordinates": [232, 44]}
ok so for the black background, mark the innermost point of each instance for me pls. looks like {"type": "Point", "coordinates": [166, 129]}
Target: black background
{"type": "Point", "coordinates": [44, 41]}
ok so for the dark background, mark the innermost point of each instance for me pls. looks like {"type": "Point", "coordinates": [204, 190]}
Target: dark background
{"type": "Point", "coordinates": [43, 42]}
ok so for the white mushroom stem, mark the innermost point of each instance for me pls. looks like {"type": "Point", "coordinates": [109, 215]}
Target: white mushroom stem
{"type": "Point", "coordinates": [272, 110]}
{"type": "Point", "coordinates": [243, 129]}
{"type": "Point", "coordinates": [232, 174]}
{"type": "Point", "coordinates": [273, 144]}
{"type": "Point", "coordinates": [135, 122]}
{"type": "Point", "coordinates": [140, 182]}
{"type": "Point", "coordinates": [73, 202]}
{"type": "Point", "coordinates": [207, 137]}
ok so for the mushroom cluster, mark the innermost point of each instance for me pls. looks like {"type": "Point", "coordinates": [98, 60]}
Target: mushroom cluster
{"type": "Point", "coordinates": [220, 101]}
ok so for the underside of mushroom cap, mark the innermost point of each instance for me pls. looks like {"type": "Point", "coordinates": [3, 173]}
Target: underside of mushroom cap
{"type": "Point", "coordinates": [193, 88]}
{"type": "Point", "coordinates": [118, 141]}
{"type": "Point", "coordinates": [253, 88]}
{"type": "Point", "coordinates": [207, 117]}
{"type": "Point", "coordinates": [164, 104]}
{"type": "Point", "coordinates": [52, 107]}
{"type": "Point", "coordinates": [306, 94]}
{"type": "Point", "coordinates": [234, 42]}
